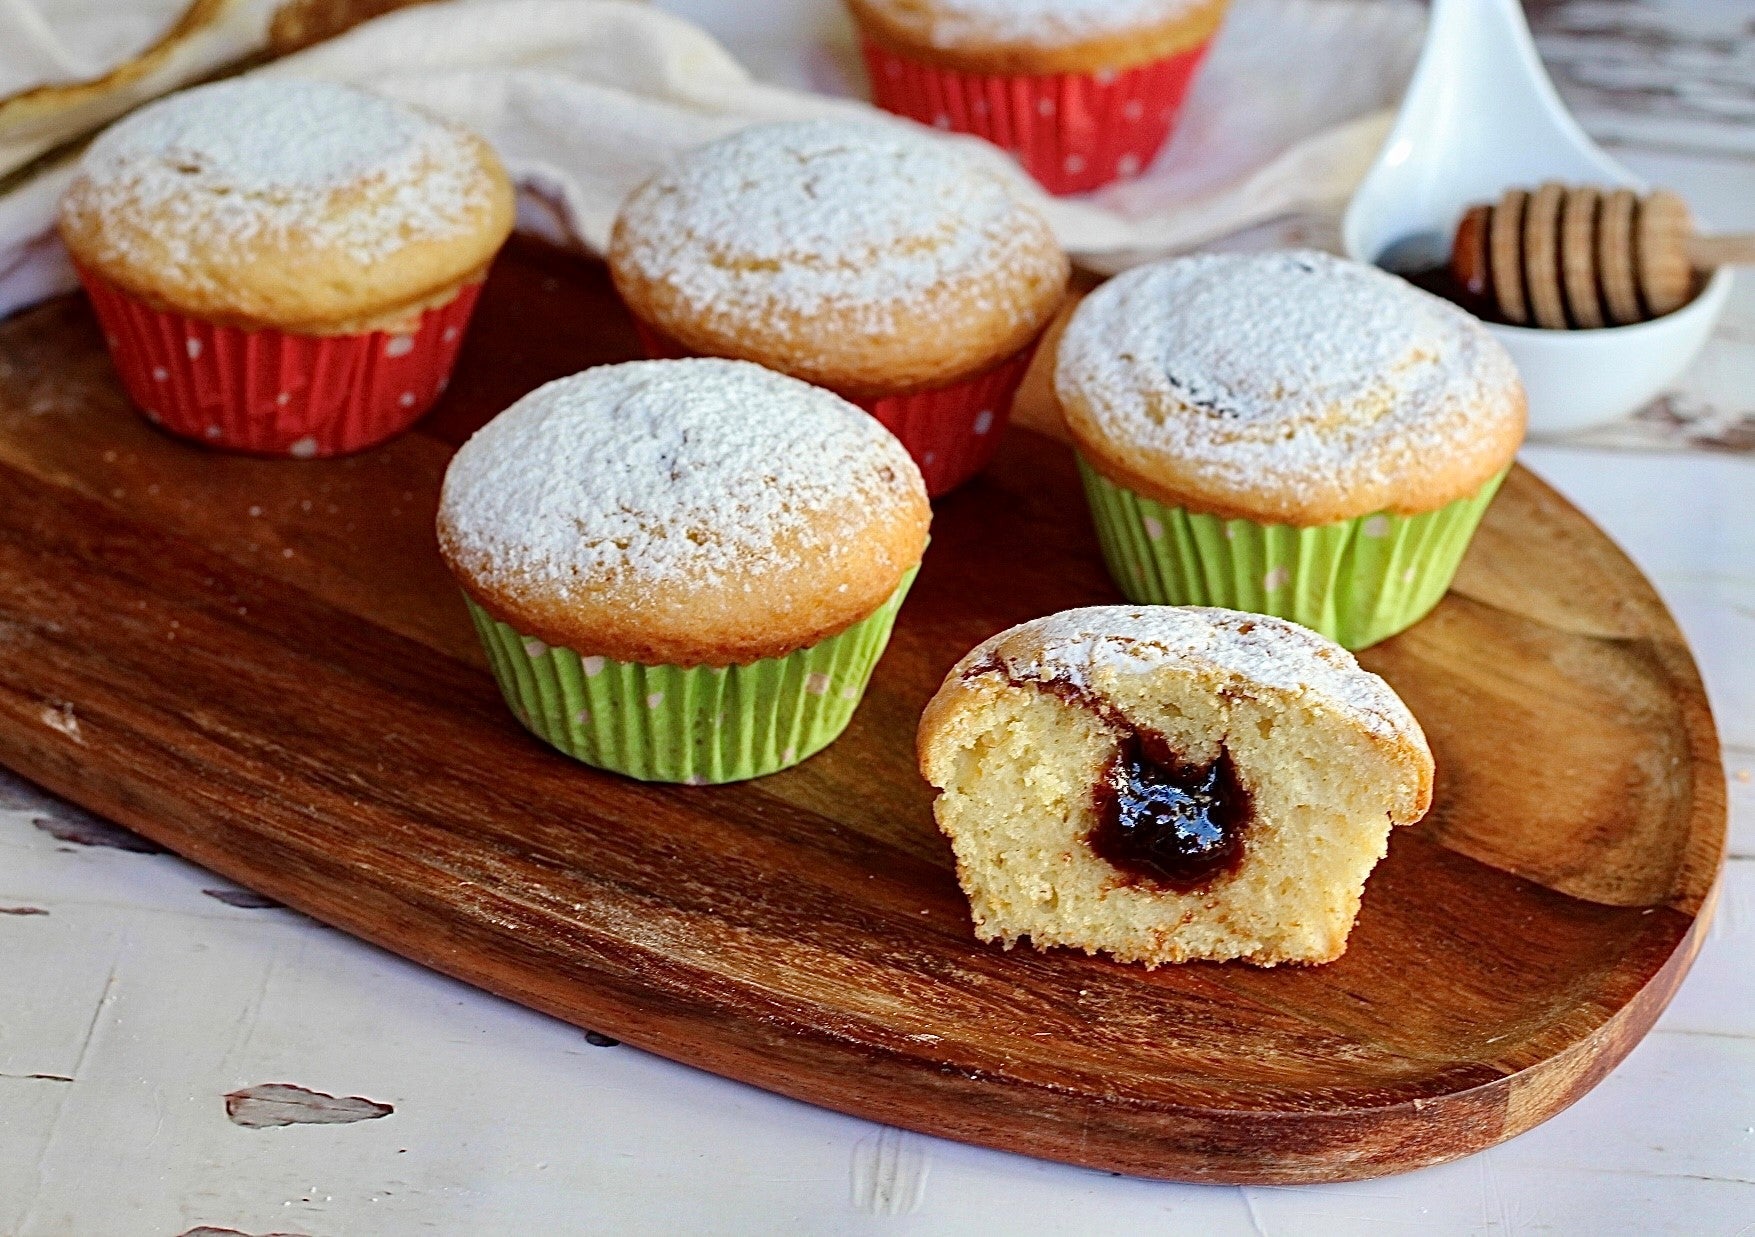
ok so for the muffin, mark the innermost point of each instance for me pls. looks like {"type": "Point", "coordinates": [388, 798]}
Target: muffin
{"type": "Point", "coordinates": [284, 267]}
{"type": "Point", "coordinates": [882, 265]}
{"type": "Point", "coordinates": [1082, 92]}
{"type": "Point", "coordinates": [1288, 433]}
{"type": "Point", "coordinates": [1162, 784]}
{"type": "Point", "coordinates": [683, 571]}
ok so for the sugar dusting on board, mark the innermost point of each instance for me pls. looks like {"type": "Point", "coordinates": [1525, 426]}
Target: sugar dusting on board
{"type": "Point", "coordinates": [242, 163]}
{"type": "Point", "coordinates": [1046, 23]}
{"type": "Point", "coordinates": [837, 216]}
{"type": "Point", "coordinates": [1084, 646]}
{"type": "Point", "coordinates": [1291, 369]}
{"type": "Point", "coordinates": [665, 473]}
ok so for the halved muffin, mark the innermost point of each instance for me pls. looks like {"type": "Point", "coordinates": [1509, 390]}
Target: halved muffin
{"type": "Point", "coordinates": [1162, 783]}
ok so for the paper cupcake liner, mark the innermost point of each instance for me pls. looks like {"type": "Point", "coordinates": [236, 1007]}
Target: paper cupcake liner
{"type": "Point", "coordinates": [951, 432]}
{"type": "Point", "coordinates": [699, 724]}
{"type": "Point", "coordinates": [270, 392]}
{"type": "Point", "coordinates": [1072, 131]}
{"type": "Point", "coordinates": [1357, 581]}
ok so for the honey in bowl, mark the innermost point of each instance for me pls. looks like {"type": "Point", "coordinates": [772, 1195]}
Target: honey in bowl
{"type": "Point", "coordinates": [1575, 258]}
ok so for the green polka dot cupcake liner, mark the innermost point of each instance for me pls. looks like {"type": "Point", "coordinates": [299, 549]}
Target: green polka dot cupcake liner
{"type": "Point", "coordinates": [699, 725]}
{"type": "Point", "coordinates": [1356, 581]}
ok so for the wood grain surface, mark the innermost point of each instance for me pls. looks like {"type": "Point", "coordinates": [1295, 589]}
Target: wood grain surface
{"type": "Point", "coordinates": [263, 666]}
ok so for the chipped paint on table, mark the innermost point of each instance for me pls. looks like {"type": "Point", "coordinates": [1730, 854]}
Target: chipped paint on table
{"type": "Point", "coordinates": [281, 1103]}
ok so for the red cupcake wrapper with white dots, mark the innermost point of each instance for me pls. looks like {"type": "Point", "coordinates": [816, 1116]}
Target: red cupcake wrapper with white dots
{"type": "Point", "coordinates": [269, 392]}
{"type": "Point", "coordinates": [951, 431]}
{"type": "Point", "coordinates": [1072, 131]}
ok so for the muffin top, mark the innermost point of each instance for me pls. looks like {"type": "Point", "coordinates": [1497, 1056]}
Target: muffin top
{"type": "Point", "coordinates": [854, 255]}
{"type": "Point", "coordinates": [696, 512]}
{"type": "Point", "coordinates": [1094, 647]}
{"type": "Point", "coordinates": [303, 205]}
{"type": "Point", "coordinates": [1039, 36]}
{"type": "Point", "coordinates": [1289, 387]}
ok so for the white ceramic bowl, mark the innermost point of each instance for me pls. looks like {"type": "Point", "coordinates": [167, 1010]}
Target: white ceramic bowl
{"type": "Point", "coordinates": [1481, 116]}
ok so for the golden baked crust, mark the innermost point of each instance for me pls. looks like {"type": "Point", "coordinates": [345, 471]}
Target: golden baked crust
{"type": "Point", "coordinates": [403, 318]}
{"type": "Point", "coordinates": [1038, 37]}
{"type": "Point", "coordinates": [305, 206]}
{"type": "Point", "coordinates": [1025, 727]}
{"type": "Point", "coordinates": [853, 255]}
{"type": "Point", "coordinates": [695, 512]}
{"type": "Point", "coordinates": [1102, 647]}
{"type": "Point", "coordinates": [1286, 388]}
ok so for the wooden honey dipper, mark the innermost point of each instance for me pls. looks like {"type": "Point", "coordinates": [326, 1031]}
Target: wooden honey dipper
{"type": "Point", "coordinates": [1584, 257]}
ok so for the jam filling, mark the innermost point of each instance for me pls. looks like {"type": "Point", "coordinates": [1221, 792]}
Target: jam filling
{"type": "Point", "coordinates": [1161, 820]}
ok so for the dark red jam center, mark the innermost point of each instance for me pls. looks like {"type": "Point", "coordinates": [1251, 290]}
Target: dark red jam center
{"type": "Point", "coordinates": [1164, 820]}
{"type": "Point", "coordinates": [1161, 820]}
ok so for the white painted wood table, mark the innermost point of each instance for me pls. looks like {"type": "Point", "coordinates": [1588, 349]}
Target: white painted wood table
{"type": "Point", "coordinates": [138, 992]}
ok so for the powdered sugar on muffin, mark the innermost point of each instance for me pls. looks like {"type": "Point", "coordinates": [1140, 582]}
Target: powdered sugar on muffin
{"type": "Point", "coordinates": [239, 164]}
{"type": "Point", "coordinates": [664, 474]}
{"type": "Point", "coordinates": [1042, 23]}
{"type": "Point", "coordinates": [1285, 382]}
{"type": "Point", "coordinates": [828, 216]}
{"type": "Point", "coordinates": [1089, 646]}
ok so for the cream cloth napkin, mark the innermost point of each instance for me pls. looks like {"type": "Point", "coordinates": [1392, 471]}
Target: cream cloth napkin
{"type": "Point", "coordinates": [584, 99]}
{"type": "Point", "coordinates": [47, 42]}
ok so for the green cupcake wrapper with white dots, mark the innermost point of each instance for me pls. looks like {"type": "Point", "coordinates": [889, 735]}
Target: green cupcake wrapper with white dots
{"type": "Point", "coordinates": [694, 724]}
{"type": "Point", "coordinates": [1356, 581]}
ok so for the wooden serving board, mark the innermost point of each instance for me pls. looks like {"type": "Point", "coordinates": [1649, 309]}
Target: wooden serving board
{"type": "Point", "coordinates": [263, 665]}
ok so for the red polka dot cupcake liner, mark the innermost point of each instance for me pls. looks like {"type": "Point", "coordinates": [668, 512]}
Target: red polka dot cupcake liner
{"type": "Point", "coordinates": [1073, 132]}
{"type": "Point", "coordinates": [268, 392]}
{"type": "Point", "coordinates": [951, 432]}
